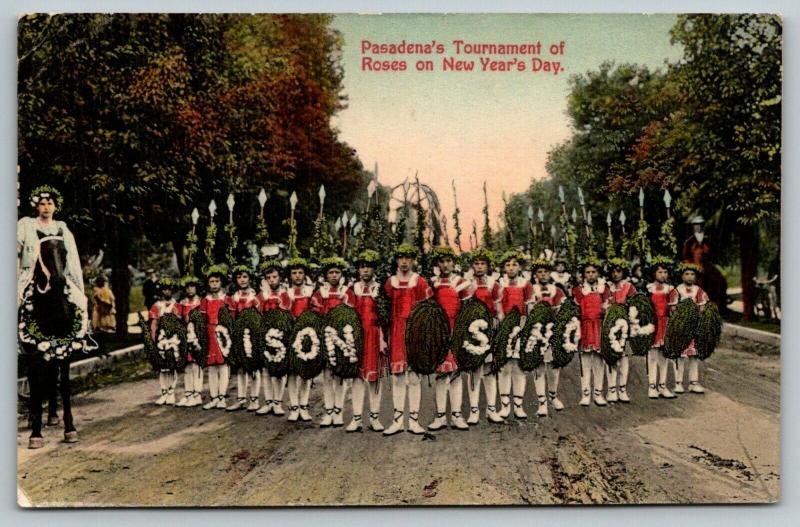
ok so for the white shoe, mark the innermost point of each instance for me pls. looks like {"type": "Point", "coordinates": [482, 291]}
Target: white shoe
{"type": "Point", "coordinates": [338, 418]}
{"type": "Point", "coordinates": [294, 414]}
{"type": "Point", "coordinates": [492, 416]}
{"type": "Point", "coordinates": [277, 409]}
{"type": "Point", "coordinates": [652, 392]}
{"type": "Point", "coordinates": [253, 406]}
{"type": "Point", "coordinates": [238, 405]}
{"type": "Point", "coordinates": [413, 424]}
{"type": "Point", "coordinates": [170, 398]}
{"type": "Point", "coordinates": [374, 424]}
{"type": "Point", "coordinates": [505, 407]}
{"type": "Point", "coordinates": [163, 399]}
{"type": "Point", "coordinates": [212, 403]}
{"type": "Point", "coordinates": [586, 400]}
{"type": "Point", "coordinates": [266, 409]}
{"type": "Point", "coordinates": [696, 387]}
{"type": "Point", "coordinates": [197, 399]}
{"type": "Point", "coordinates": [474, 415]}
{"type": "Point", "coordinates": [678, 387]}
{"type": "Point", "coordinates": [542, 410]}
{"type": "Point", "coordinates": [304, 415]}
{"type": "Point", "coordinates": [439, 422]}
{"type": "Point", "coordinates": [185, 399]}
{"type": "Point", "coordinates": [598, 398]}
{"type": "Point", "coordinates": [327, 419]}
{"type": "Point", "coordinates": [556, 402]}
{"type": "Point", "coordinates": [355, 424]}
{"type": "Point", "coordinates": [664, 392]}
{"type": "Point", "coordinates": [457, 421]}
{"type": "Point", "coordinates": [519, 412]}
{"type": "Point", "coordinates": [397, 424]}
{"type": "Point", "coordinates": [612, 394]}
{"type": "Point", "coordinates": [221, 402]}
{"type": "Point", "coordinates": [623, 395]}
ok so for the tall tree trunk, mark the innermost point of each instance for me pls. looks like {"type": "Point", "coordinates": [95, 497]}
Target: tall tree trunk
{"type": "Point", "coordinates": [748, 259]}
{"type": "Point", "coordinates": [121, 275]}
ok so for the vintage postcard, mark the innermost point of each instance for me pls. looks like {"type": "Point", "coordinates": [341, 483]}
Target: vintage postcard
{"type": "Point", "coordinates": [428, 259]}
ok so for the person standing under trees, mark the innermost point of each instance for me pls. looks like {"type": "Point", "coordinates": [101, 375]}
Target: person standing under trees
{"type": "Point", "coordinates": [697, 250]}
{"type": "Point", "coordinates": [103, 311]}
{"type": "Point", "coordinates": [150, 289]}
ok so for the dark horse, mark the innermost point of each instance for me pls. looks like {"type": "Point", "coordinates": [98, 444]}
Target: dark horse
{"type": "Point", "coordinates": [54, 315]}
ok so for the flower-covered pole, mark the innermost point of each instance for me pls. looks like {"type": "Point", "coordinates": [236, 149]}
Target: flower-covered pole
{"type": "Point", "coordinates": [531, 231]}
{"type": "Point", "coordinates": [443, 220]}
{"type": "Point", "coordinates": [230, 230]}
{"type": "Point", "coordinates": [473, 241]}
{"type": "Point", "coordinates": [669, 244]}
{"type": "Point", "coordinates": [293, 252]}
{"type": "Point", "coordinates": [487, 229]}
{"type": "Point", "coordinates": [211, 234]}
{"type": "Point", "coordinates": [507, 218]}
{"type": "Point", "coordinates": [322, 200]}
{"type": "Point", "coordinates": [625, 249]}
{"type": "Point", "coordinates": [191, 240]}
{"type": "Point", "coordinates": [610, 249]}
{"type": "Point", "coordinates": [262, 236]}
{"type": "Point", "coordinates": [456, 214]}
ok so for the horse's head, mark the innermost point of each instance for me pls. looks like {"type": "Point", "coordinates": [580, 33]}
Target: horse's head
{"type": "Point", "coordinates": [49, 273]}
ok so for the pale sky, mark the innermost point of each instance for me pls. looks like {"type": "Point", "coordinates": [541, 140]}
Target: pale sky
{"type": "Point", "coordinates": [478, 126]}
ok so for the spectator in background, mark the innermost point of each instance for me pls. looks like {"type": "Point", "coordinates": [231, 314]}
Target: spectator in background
{"type": "Point", "coordinates": [104, 310]}
{"type": "Point", "coordinates": [149, 289]}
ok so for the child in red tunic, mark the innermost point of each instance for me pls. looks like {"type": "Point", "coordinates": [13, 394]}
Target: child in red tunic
{"type": "Point", "coordinates": [272, 296]}
{"type": "Point", "coordinates": [592, 297]}
{"type": "Point", "coordinates": [167, 378]}
{"type": "Point", "coordinates": [405, 288]}
{"type": "Point", "coordinates": [192, 373]}
{"type": "Point", "coordinates": [514, 294]}
{"type": "Point", "coordinates": [299, 292]}
{"type": "Point", "coordinates": [689, 289]}
{"type": "Point", "coordinates": [219, 346]}
{"type": "Point", "coordinates": [244, 298]}
{"type": "Point", "coordinates": [334, 292]}
{"type": "Point", "coordinates": [660, 291]}
{"type": "Point", "coordinates": [485, 289]}
{"type": "Point", "coordinates": [545, 377]}
{"type": "Point", "coordinates": [366, 292]}
{"type": "Point", "coordinates": [448, 289]}
{"type": "Point", "coordinates": [620, 290]}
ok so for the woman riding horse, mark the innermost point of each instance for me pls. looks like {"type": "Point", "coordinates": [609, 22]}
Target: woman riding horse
{"type": "Point", "coordinates": [52, 307]}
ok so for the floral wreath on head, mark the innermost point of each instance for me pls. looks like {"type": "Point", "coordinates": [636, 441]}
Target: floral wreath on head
{"type": "Point", "coordinates": [188, 280]}
{"type": "Point", "coordinates": [45, 191]}
{"type": "Point", "coordinates": [297, 263]}
{"type": "Point", "coordinates": [333, 262]}
{"type": "Point", "coordinates": [369, 257]}
{"type": "Point", "coordinates": [218, 270]}
{"type": "Point", "coordinates": [617, 263]}
{"type": "Point", "coordinates": [443, 251]}
{"type": "Point", "coordinates": [405, 250]}
{"type": "Point", "coordinates": [167, 282]}
{"type": "Point", "coordinates": [511, 254]}
{"type": "Point", "coordinates": [591, 261]}
{"type": "Point", "coordinates": [241, 269]}
{"type": "Point", "coordinates": [689, 266]}
{"type": "Point", "coordinates": [482, 254]}
{"type": "Point", "coordinates": [541, 263]}
{"type": "Point", "coordinates": [270, 265]}
{"type": "Point", "coordinates": [661, 261]}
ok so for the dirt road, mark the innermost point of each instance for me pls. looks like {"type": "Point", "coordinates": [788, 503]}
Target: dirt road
{"type": "Point", "coordinates": [719, 447]}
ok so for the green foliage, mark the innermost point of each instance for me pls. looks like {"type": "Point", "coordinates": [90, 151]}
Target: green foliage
{"type": "Point", "coordinates": [262, 232]}
{"type": "Point", "coordinates": [311, 366]}
{"type": "Point", "coordinates": [248, 332]}
{"type": "Point", "coordinates": [486, 234]}
{"type": "Point", "coordinates": [211, 241]}
{"type": "Point", "coordinates": [427, 337]}
{"type": "Point", "coordinates": [681, 328]}
{"type": "Point", "coordinates": [172, 326]}
{"type": "Point", "coordinates": [568, 313]}
{"type": "Point", "coordinates": [149, 345]}
{"type": "Point", "coordinates": [709, 331]}
{"type": "Point", "coordinates": [641, 242]}
{"type": "Point", "coordinates": [540, 319]}
{"type": "Point", "coordinates": [280, 321]}
{"type": "Point", "coordinates": [646, 315]}
{"type": "Point", "coordinates": [611, 251]}
{"type": "Point", "coordinates": [232, 243]}
{"type": "Point", "coordinates": [614, 313]}
{"type": "Point", "coordinates": [323, 245]}
{"type": "Point", "coordinates": [339, 319]}
{"type": "Point", "coordinates": [199, 351]}
{"type": "Point", "coordinates": [669, 244]}
{"type": "Point", "coordinates": [501, 339]}
{"type": "Point", "coordinates": [471, 310]}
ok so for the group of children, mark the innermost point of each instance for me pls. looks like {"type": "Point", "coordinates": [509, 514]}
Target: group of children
{"type": "Point", "coordinates": [512, 288]}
